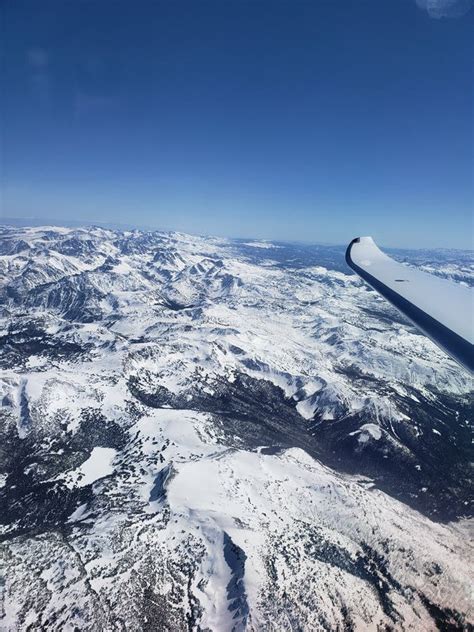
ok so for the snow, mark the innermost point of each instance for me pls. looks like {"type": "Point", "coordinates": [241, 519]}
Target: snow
{"type": "Point", "coordinates": [79, 514]}
{"type": "Point", "coordinates": [36, 361]}
{"type": "Point", "coordinates": [97, 466]}
{"type": "Point", "coordinates": [122, 268]}
{"type": "Point", "coordinates": [366, 432]}
{"type": "Point", "coordinates": [260, 244]}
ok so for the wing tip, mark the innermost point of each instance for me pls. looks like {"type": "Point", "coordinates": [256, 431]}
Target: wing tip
{"type": "Point", "coordinates": [349, 261]}
{"type": "Point", "coordinates": [367, 241]}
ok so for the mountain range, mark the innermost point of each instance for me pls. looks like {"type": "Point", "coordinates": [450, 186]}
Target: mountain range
{"type": "Point", "coordinates": [213, 434]}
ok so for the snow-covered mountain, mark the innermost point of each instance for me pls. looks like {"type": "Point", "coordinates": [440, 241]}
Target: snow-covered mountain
{"type": "Point", "coordinates": [209, 434]}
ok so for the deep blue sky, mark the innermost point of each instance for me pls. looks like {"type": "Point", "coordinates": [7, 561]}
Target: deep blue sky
{"type": "Point", "coordinates": [315, 121]}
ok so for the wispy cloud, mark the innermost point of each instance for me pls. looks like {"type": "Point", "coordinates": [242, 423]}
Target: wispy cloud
{"type": "Point", "coordinates": [445, 8]}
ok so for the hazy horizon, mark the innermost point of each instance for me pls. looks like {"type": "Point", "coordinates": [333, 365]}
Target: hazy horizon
{"type": "Point", "coordinates": [38, 222]}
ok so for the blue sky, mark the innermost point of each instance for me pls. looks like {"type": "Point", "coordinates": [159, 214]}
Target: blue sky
{"type": "Point", "coordinates": [315, 121]}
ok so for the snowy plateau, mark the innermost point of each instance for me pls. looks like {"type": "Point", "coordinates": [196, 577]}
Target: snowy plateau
{"type": "Point", "coordinates": [225, 435]}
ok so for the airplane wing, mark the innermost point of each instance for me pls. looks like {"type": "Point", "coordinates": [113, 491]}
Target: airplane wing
{"type": "Point", "coordinates": [442, 309]}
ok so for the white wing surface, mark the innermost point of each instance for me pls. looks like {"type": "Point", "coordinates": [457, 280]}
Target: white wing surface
{"type": "Point", "coordinates": [442, 309]}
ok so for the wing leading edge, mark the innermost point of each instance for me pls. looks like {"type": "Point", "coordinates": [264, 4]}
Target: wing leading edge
{"type": "Point", "coordinates": [442, 309]}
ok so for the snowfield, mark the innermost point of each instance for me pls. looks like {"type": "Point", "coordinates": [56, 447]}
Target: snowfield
{"type": "Point", "coordinates": [97, 466]}
{"type": "Point", "coordinates": [210, 434]}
